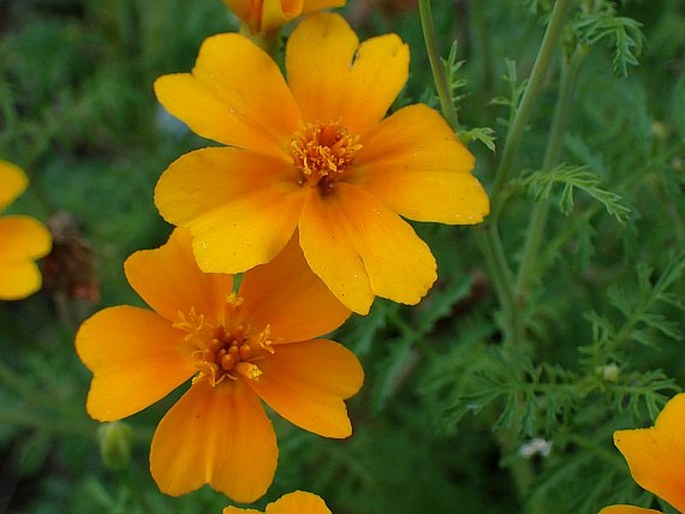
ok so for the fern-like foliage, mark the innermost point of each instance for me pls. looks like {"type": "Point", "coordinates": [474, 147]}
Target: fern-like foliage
{"type": "Point", "coordinates": [601, 22]}
{"type": "Point", "coordinates": [541, 184]}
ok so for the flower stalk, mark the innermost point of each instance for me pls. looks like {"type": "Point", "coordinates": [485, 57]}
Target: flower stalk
{"type": "Point", "coordinates": [530, 263]}
{"type": "Point", "coordinates": [525, 109]}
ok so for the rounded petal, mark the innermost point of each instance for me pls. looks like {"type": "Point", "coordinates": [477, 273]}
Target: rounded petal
{"type": "Point", "coordinates": [14, 182]}
{"type": "Point", "coordinates": [334, 78]}
{"type": "Point", "coordinates": [169, 281]}
{"type": "Point", "coordinates": [276, 13]}
{"type": "Point", "coordinates": [241, 207]}
{"type": "Point", "coordinates": [136, 357]}
{"type": "Point", "coordinates": [656, 456]}
{"type": "Point", "coordinates": [627, 509]}
{"type": "Point", "coordinates": [235, 95]}
{"type": "Point", "coordinates": [307, 382]}
{"type": "Point", "coordinates": [351, 223]}
{"type": "Point", "coordinates": [298, 502]}
{"type": "Point", "coordinates": [237, 510]}
{"type": "Point", "coordinates": [18, 279]}
{"type": "Point", "coordinates": [332, 255]}
{"type": "Point", "coordinates": [289, 297]}
{"type": "Point", "coordinates": [218, 436]}
{"type": "Point", "coordinates": [23, 238]}
{"type": "Point", "coordinates": [413, 162]}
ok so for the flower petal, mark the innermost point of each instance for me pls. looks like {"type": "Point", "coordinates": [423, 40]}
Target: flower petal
{"type": "Point", "coordinates": [399, 265]}
{"type": "Point", "coordinates": [218, 436]}
{"type": "Point", "coordinates": [289, 297]}
{"type": "Point", "coordinates": [307, 382]}
{"type": "Point", "coordinates": [169, 281]}
{"type": "Point", "coordinates": [136, 357]}
{"type": "Point", "coordinates": [14, 182]}
{"type": "Point", "coordinates": [414, 163]}
{"type": "Point", "coordinates": [298, 502]}
{"type": "Point", "coordinates": [18, 279]}
{"type": "Point", "coordinates": [240, 207]}
{"type": "Point", "coordinates": [334, 78]}
{"type": "Point", "coordinates": [627, 509]}
{"type": "Point", "coordinates": [276, 13]}
{"type": "Point", "coordinates": [656, 456]}
{"type": "Point", "coordinates": [235, 95]}
{"type": "Point", "coordinates": [23, 238]}
{"type": "Point", "coordinates": [331, 253]}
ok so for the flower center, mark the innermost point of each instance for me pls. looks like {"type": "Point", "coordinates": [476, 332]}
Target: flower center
{"type": "Point", "coordinates": [225, 350]}
{"type": "Point", "coordinates": [323, 152]}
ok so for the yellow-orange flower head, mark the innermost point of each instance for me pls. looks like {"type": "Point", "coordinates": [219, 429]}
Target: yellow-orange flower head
{"type": "Point", "coordinates": [269, 15]}
{"type": "Point", "coordinates": [260, 341]}
{"type": "Point", "coordinates": [299, 502]}
{"type": "Point", "coordinates": [22, 240]}
{"type": "Point", "coordinates": [315, 154]}
{"type": "Point", "coordinates": [656, 457]}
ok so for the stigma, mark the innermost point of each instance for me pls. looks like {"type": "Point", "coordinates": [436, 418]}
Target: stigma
{"type": "Point", "coordinates": [323, 153]}
{"type": "Point", "coordinates": [225, 350]}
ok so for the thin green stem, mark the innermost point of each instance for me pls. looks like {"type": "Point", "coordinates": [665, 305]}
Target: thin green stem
{"type": "Point", "coordinates": [525, 108]}
{"type": "Point", "coordinates": [501, 276]}
{"type": "Point", "coordinates": [488, 238]}
{"type": "Point", "coordinates": [449, 111]}
{"type": "Point", "coordinates": [530, 261]}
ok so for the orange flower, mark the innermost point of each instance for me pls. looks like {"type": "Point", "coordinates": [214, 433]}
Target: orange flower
{"type": "Point", "coordinates": [22, 240]}
{"type": "Point", "coordinates": [315, 153]}
{"type": "Point", "coordinates": [269, 15]}
{"type": "Point", "coordinates": [299, 502]}
{"type": "Point", "coordinates": [656, 457]}
{"type": "Point", "coordinates": [258, 342]}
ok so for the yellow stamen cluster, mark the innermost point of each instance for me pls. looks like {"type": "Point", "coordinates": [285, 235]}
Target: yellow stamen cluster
{"type": "Point", "coordinates": [225, 350]}
{"type": "Point", "coordinates": [323, 152]}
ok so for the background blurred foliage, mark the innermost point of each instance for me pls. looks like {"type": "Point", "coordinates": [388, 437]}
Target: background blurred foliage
{"type": "Point", "coordinates": [446, 408]}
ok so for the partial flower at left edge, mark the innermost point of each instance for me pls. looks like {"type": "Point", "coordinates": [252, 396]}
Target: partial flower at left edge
{"type": "Point", "coordinates": [23, 240]}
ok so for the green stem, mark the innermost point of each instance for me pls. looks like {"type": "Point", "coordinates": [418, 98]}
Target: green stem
{"type": "Point", "coordinates": [439, 76]}
{"type": "Point", "coordinates": [530, 261]}
{"type": "Point", "coordinates": [501, 276]}
{"type": "Point", "coordinates": [525, 108]}
{"type": "Point", "coordinates": [488, 238]}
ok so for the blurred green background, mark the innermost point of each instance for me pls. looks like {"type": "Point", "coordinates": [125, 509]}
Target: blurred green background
{"type": "Point", "coordinates": [77, 112]}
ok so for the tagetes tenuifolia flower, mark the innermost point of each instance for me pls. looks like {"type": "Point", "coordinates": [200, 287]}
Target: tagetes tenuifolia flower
{"type": "Point", "coordinates": [299, 502]}
{"type": "Point", "coordinates": [260, 341]}
{"type": "Point", "coordinates": [22, 240]}
{"type": "Point", "coordinates": [268, 15]}
{"type": "Point", "coordinates": [315, 153]}
{"type": "Point", "coordinates": [656, 457]}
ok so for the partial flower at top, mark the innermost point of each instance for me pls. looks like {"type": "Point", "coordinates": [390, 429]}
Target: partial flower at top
{"type": "Point", "coordinates": [299, 502]}
{"type": "Point", "coordinates": [269, 15]}
{"type": "Point", "coordinates": [315, 153]}
{"type": "Point", "coordinates": [22, 240]}
{"type": "Point", "coordinates": [656, 457]}
{"type": "Point", "coordinates": [259, 341]}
